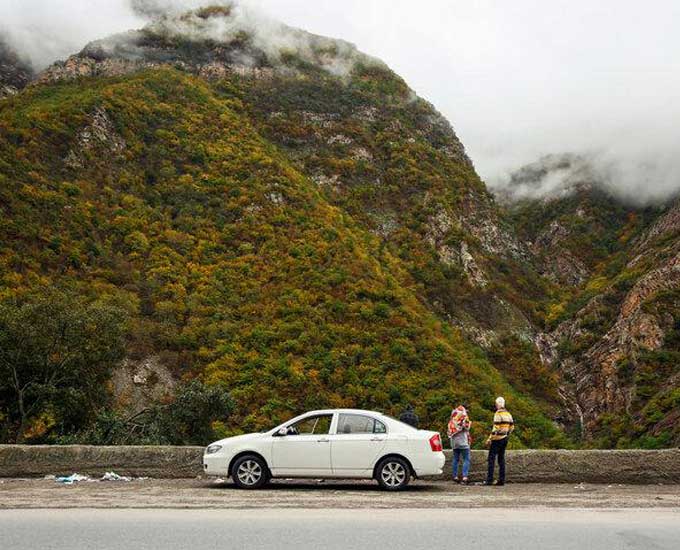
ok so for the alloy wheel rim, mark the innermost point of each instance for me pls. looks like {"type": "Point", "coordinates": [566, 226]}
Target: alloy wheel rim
{"type": "Point", "coordinates": [393, 474]}
{"type": "Point", "coordinates": [249, 472]}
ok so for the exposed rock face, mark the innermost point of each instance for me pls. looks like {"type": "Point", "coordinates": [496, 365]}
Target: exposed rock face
{"type": "Point", "coordinates": [619, 263]}
{"type": "Point", "coordinates": [84, 66]}
{"type": "Point", "coordinates": [599, 385]}
{"type": "Point", "coordinates": [479, 215]}
{"type": "Point", "coordinates": [475, 275]}
{"type": "Point", "coordinates": [15, 73]}
{"type": "Point", "coordinates": [98, 139]}
{"type": "Point", "coordinates": [667, 224]}
{"type": "Point", "coordinates": [560, 265]}
{"type": "Point", "coordinates": [139, 384]}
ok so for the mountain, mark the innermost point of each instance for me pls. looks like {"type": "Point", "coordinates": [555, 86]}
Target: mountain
{"type": "Point", "coordinates": [373, 148]}
{"type": "Point", "coordinates": [612, 332]}
{"type": "Point", "coordinates": [279, 214]}
{"type": "Point", "coordinates": [282, 216]}
{"type": "Point", "coordinates": [14, 72]}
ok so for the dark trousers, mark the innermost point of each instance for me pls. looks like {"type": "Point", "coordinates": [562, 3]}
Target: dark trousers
{"type": "Point", "coordinates": [497, 449]}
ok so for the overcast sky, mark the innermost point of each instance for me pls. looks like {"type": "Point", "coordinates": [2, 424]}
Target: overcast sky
{"type": "Point", "coordinates": [517, 79]}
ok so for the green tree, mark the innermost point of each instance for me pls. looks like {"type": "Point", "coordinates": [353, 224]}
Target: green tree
{"type": "Point", "coordinates": [56, 354]}
{"type": "Point", "coordinates": [191, 418]}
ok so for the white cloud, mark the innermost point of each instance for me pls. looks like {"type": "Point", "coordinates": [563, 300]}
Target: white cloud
{"type": "Point", "coordinates": [46, 30]}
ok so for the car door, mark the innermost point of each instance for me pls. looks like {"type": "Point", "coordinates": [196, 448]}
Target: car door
{"type": "Point", "coordinates": [356, 444]}
{"type": "Point", "coordinates": [305, 449]}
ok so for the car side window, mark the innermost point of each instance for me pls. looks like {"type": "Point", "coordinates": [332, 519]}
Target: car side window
{"type": "Point", "coordinates": [312, 425]}
{"type": "Point", "coordinates": [359, 424]}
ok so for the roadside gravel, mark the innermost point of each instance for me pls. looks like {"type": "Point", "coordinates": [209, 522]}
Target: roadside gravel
{"type": "Point", "coordinates": [207, 494]}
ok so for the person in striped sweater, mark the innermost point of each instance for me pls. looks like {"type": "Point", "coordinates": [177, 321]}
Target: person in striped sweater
{"type": "Point", "coordinates": [503, 425]}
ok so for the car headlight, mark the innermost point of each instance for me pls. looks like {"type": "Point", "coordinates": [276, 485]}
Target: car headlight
{"type": "Point", "coordinates": [212, 449]}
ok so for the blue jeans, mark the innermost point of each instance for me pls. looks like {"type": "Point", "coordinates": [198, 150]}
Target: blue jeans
{"type": "Point", "coordinates": [466, 461]}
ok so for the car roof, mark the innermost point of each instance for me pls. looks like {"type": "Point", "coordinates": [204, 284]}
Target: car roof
{"type": "Point", "coordinates": [350, 411]}
{"type": "Point", "coordinates": [394, 424]}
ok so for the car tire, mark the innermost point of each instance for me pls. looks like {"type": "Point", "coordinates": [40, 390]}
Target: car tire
{"type": "Point", "coordinates": [393, 474]}
{"type": "Point", "coordinates": [250, 472]}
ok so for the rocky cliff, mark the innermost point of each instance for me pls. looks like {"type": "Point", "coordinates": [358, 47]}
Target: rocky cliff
{"type": "Point", "coordinates": [621, 348]}
{"type": "Point", "coordinates": [612, 327]}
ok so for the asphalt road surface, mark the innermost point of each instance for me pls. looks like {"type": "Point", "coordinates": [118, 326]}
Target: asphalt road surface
{"type": "Point", "coordinates": [505, 529]}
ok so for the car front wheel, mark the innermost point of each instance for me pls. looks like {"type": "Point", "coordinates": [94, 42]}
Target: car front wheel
{"type": "Point", "coordinates": [250, 472]}
{"type": "Point", "coordinates": [393, 474]}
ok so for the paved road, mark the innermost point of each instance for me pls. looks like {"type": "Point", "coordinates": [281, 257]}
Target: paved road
{"type": "Point", "coordinates": [339, 529]}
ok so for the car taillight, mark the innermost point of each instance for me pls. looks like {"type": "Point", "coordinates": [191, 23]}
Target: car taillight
{"type": "Point", "coordinates": [436, 443]}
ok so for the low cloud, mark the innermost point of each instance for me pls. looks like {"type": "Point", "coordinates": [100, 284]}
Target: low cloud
{"type": "Point", "coordinates": [624, 174]}
{"type": "Point", "coordinates": [44, 31]}
{"type": "Point", "coordinates": [48, 31]}
{"type": "Point", "coordinates": [230, 20]}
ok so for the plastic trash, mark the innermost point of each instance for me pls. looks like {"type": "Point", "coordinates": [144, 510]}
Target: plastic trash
{"type": "Point", "coordinates": [113, 476]}
{"type": "Point", "coordinates": [70, 480]}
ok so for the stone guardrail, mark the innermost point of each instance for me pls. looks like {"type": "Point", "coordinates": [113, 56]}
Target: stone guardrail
{"type": "Point", "coordinates": [533, 466]}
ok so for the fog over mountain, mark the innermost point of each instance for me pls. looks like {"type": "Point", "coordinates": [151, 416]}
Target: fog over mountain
{"type": "Point", "coordinates": [518, 80]}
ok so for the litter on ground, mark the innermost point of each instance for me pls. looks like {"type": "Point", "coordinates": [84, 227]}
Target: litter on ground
{"type": "Point", "coordinates": [113, 476]}
{"type": "Point", "coordinates": [70, 480]}
{"type": "Point", "coordinates": [108, 476]}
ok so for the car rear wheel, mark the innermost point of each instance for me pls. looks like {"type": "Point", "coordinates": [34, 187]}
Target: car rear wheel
{"type": "Point", "coordinates": [250, 472]}
{"type": "Point", "coordinates": [393, 474]}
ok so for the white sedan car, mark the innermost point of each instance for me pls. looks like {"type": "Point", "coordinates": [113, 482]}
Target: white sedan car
{"type": "Point", "coordinates": [341, 443]}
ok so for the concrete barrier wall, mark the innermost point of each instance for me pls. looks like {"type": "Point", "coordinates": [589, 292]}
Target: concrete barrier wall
{"type": "Point", "coordinates": [628, 467]}
{"type": "Point", "coordinates": [184, 462]}
{"type": "Point", "coordinates": [158, 462]}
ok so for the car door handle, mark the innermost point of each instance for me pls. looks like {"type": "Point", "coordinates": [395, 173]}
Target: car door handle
{"type": "Point", "coordinates": [322, 440]}
{"type": "Point", "coordinates": [377, 439]}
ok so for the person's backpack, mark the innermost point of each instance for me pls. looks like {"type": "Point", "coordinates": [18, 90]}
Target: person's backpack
{"type": "Point", "coordinates": [458, 422]}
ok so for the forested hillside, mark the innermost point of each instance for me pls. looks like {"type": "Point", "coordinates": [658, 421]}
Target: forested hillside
{"type": "Point", "coordinates": [154, 193]}
{"type": "Point", "coordinates": [268, 221]}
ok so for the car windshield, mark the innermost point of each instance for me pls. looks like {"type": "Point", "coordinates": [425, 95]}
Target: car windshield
{"type": "Point", "coordinates": [279, 425]}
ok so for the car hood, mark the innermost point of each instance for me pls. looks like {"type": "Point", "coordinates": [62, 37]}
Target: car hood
{"type": "Point", "coordinates": [238, 439]}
